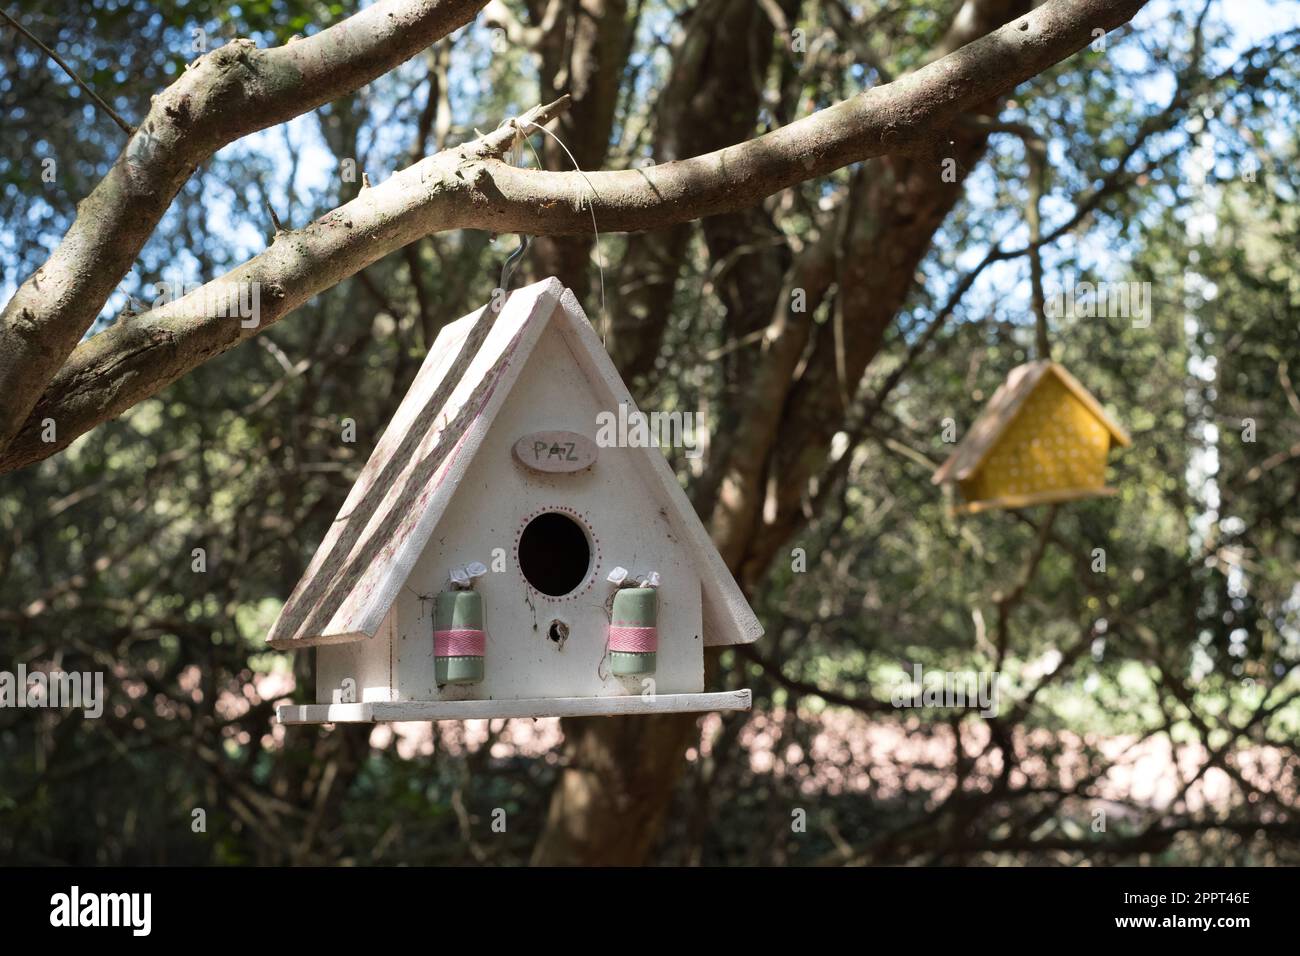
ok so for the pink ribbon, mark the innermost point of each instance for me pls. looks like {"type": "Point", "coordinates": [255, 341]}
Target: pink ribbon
{"type": "Point", "coordinates": [460, 642]}
{"type": "Point", "coordinates": [635, 640]}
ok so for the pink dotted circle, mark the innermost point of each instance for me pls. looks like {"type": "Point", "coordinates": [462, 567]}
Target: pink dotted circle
{"type": "Point", "coordinates": [583, 521]}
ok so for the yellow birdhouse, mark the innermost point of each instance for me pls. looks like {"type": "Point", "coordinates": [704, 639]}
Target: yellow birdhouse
{"type": "Point", "coordinates": [1041, 439]}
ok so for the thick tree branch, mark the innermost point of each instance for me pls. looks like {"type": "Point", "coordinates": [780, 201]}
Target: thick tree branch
{"type": "Point", "coordinates": [905, 115]}
{"type": "Point", "coordinates": [235, 90]}
{"type": "Point", "coordinates": [470, 187]}
{"type": "Point", "coordinates": [139, 355]}
{"type": "Point", "coordinates": [499, 15]}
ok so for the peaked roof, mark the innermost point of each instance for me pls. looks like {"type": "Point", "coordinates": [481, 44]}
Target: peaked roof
{"type": "Point", "coordinates": [414, 472]}
{"type": "Point", "coordinates": [1002, 410]}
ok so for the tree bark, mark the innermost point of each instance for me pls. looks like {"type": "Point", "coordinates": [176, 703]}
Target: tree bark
{"type": "Point", "coordinates": [609, 803]}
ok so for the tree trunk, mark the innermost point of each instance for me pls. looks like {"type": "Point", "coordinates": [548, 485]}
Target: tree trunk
{"type": "Point", "coordinates": [584, 56]}
{"type": "Point", "coordinates": [611, 798]}
{"type": "Point", "coordinates": [621, 773]}
{"type": "Point", "coordinates": [609, 803]}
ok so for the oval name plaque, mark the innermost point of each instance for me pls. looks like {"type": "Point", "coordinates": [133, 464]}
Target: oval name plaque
{"type": "Point", "coordinates": [554, 452]}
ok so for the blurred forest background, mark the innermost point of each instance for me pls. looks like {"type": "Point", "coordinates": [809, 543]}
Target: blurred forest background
{"type": "Point", "coordinates": [1150, 710]}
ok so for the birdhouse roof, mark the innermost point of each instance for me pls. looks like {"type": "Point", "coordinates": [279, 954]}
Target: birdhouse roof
{"type": "Point", "coordinates": [414, 472]}
{"type": "Point", "coordinates": [1002, 410]}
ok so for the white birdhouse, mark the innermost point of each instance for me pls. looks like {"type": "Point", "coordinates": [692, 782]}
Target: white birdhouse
{"type": "Point", "coordinates": [493, 560]}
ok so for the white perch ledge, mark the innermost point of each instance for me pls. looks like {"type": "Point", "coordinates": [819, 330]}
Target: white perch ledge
{"type": "Point", "coordinates": [376, 711]}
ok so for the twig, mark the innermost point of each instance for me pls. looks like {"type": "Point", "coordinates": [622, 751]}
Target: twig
{"type": "Point", "coordinates": [1036, 160]}
{"type": "Point", "coordinates": [126, 127]}
{"type": "Point", "coordinates": [1006, 603]}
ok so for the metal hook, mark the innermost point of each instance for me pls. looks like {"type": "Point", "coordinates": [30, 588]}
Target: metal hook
{"type": "Point", "coordinates": [512, 262]}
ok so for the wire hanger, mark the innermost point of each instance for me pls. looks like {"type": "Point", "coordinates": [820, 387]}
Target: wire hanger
{"type": "Point", "coordinates": [512, 261]}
